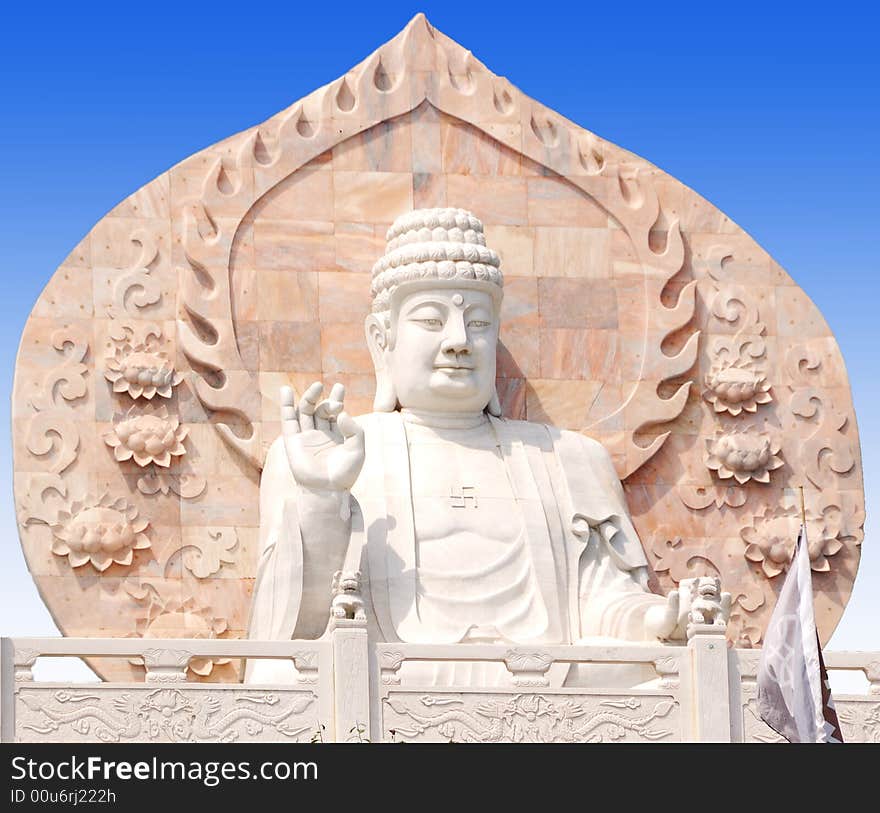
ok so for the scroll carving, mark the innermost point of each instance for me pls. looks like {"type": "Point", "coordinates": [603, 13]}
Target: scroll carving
{"type": "Point", "coordinates": [137, 288]}
{"type": "Point", "coordinates": [52, 433]}
{"type": "Point", "coordinates": [206, 557]}
{"type": "Point", "coordinates": [827, 452]}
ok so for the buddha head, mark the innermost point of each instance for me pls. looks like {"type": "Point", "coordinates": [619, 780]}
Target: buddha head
{"type": "Point", "coordinates": [433, 330]}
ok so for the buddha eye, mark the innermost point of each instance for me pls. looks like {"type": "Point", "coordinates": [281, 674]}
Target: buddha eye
{"type": "Point", "coordinates": [478, 323]}
{"type": "Point", "coordinates": [432, 323]}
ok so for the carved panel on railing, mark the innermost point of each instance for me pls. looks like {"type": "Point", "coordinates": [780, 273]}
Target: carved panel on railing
{"type": "Point", "coordinates": [171, 714]}
{"type": "Point", "coordinates": [859, 719]}
{"type": "Point", "coordinates": [538, 717]}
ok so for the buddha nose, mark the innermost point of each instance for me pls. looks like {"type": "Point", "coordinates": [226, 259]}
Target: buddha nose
{"type": "Point", "coordinates": [456, 338]}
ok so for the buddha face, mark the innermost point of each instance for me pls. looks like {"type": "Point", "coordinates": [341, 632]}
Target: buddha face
{"type": "Point", "coordinates": [442, 354]}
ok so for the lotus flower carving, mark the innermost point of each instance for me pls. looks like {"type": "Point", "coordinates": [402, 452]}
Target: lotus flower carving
{"type": "Point", "coordinates": [100, 533]}
{"type": "Point", "coordinates": [148, 436]}
{"type": "Point", "coordinates": [743, 455]}
{"type": "Point", "coordinates": [770, 541]}
{"type": "Point", "coordinates": [183, 619]}
{"type": "Point", "coordinates": [735, 389]}
{"type": "Point", "coordinates": [141, 371]}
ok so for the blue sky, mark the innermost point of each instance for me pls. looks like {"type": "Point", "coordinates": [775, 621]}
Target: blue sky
{"type": "Point", "coordinates": [768, 110]}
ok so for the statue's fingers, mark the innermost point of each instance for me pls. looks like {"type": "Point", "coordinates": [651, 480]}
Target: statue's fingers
{"type": "Point", "coordinates": [337, 393]}
{"type": "Point", "coordinates": [322, 417]}
{"type": "Point", "coordinates": [351, 430]}
{"type": "Point", "coordinates": [307, 405]}
{"type": "Point", "coordinates": [335, 402]}
{"type": "Point", "coordinates": [289, 419]}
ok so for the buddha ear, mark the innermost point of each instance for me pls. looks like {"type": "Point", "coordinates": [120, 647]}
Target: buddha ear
{"type": "Point", "coordinates": [377, 332]}
{"type": "Point", "coordinates": [494, 405]}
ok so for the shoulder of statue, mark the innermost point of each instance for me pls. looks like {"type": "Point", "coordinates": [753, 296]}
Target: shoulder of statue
{"type": "Point", "coordinates": [584, 441]}
{"type": "Point", "coordinates": [563, 440]}
{"type": "Point", "coordinates": [587, 448]}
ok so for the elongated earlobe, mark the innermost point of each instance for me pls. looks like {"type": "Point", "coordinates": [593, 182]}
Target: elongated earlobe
{"type": "Point", "coordinates": [494, 405]}
{"type": "Point", "coordinates": [385, 399]}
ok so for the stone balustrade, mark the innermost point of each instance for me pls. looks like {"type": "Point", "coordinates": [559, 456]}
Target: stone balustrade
{"type": "Point", "coordinates": [349, 689]}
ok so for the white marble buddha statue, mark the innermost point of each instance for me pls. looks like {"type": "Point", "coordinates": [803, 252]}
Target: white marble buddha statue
{"type": "Point", "coordinates": [464, 526]}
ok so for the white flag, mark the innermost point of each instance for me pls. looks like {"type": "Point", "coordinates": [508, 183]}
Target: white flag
{"type": "Point", "coordinates": [792, 689]}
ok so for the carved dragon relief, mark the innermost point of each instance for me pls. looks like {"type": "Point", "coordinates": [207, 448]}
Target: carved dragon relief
{"type": "Point", "coordinates": [419, 64]}
{"type": "Point", "coordinates": [484, 717]}
{"type": "Point", "coordinates": [167, 714]}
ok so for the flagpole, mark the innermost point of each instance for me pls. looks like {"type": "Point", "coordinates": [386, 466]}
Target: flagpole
{"type": "Point", "coordinates": [803, 509]}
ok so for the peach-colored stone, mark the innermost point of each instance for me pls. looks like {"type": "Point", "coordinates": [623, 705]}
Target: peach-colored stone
{"type": "Point", "coordinates": [572, 252]}
{"type": "Point", "coordinates": [227, 500]}
{"type": "Point", "coordinates": [290, 346]}
{"type": "Point", "coordinates": [287, 296]}
{"type": "Point", "coordinates": [302, 246]}
{"type": "Point", "coordinates": [518, 352]}
{"type": "Point", "coordinates": [343, 349]}
{"type": "Point", "coordinates": [358, 245]}
{"type": "Point", "coordinates": [305, 195]}
{"type": "Point", "coordinates": [564, 353]}
{"type": "Point", "coordinates": [495, 200]}
{"type": "Point", "coordinates": [370, 197]}
{"type": "Point", "coordinates": [515, 247]}
{"type": "Point", "coordinates": [387, 147]}
{"type": "Point", "coordinates": [67, 296]}
{"type": "Point", "coordinates": [562, 403]}
{"type": "Point", "coordinates": [151, 201]}
{"type": "Point", "coordinates": [467, 151]}
{"type": "Point", "coordinates": [797, 316]}
{"type": "Point", "coordinates": [555, 202]}
{"type": "Point", "coordinates": [343, 297]}
{"type": "Point", "coordinates": [429, 191]}
{"type": "Point", "coordinates": [426, 141]}
{"type": "Point", "coordinates": [568, 302]}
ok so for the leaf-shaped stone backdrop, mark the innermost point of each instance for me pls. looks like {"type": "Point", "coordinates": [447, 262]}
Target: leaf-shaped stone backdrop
{"type": "Point", "coordinates": [634, 311]}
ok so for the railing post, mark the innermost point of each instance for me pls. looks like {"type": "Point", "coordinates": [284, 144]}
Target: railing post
{"type": "Point", "coordinates": [7, 690]}
{"type": "Point", "coordinates": [710, 686]}
{"type": "Point", "coordinates": [351, 681]}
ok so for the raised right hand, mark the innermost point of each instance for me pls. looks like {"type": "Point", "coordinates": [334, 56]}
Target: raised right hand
{"type": "Point", "coordinates": [324, 445]}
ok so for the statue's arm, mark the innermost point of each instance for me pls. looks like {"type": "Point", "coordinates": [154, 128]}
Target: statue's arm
{"type": "Point", "coordinates": [325, 519]}
{"type": "Point", "coordinates": [304, 536]}
{"type": "Point", "coordinates": [613, 592]}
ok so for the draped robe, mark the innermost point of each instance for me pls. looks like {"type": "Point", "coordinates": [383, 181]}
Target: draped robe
{"type": "Point", "coordinates": [588, 562]}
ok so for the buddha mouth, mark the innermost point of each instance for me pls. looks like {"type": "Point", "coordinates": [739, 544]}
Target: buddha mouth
{"type": "Point", "coordinates": [452, 367]}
